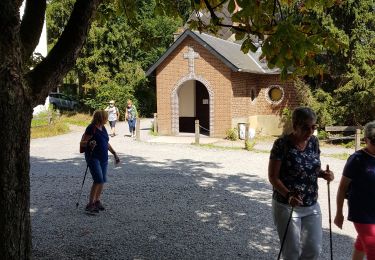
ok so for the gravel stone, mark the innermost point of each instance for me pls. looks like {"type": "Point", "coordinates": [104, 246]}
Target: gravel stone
{"type": "Point", "coordinates": [164, 201]}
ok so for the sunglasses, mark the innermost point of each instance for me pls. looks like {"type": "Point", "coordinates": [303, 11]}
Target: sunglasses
{"type": "Point", "coordinates": [309, 127]}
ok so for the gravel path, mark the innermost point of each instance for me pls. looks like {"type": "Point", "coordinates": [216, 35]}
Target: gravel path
{"type": "Point", "coordinates": [164, 201]}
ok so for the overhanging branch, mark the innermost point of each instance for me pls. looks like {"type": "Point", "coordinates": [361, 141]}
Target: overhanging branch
{"type": "Point", "coordinates": [31, 26]}
{"type": "Point", "coordinates": [50, 72]}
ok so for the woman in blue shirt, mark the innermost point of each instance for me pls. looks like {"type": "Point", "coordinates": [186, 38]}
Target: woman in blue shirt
{"type": "Point", "coordinates": [358, 184]}
{"type": "Point", "coordinates": [96, 140]}
{"type": "Point", "coordinates": [293, 171]}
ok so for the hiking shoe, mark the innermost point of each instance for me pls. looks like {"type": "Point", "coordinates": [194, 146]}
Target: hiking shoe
{"type": "Point", "coordinates": [92, 209]}
{"type": "Point", "coordinates": [99, 205]}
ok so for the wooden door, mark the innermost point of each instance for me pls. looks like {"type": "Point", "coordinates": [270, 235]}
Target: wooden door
{"type": "Point", "coordinates": [202, 107]}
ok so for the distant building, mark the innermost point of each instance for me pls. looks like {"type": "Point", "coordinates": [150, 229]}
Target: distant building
{"type": "Point", "coordinates": [208, 78]}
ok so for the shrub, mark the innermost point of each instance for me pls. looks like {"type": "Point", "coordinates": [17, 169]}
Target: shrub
{"type": "Point", "coordinates": [322, 135]}
{"type": "Point", "coordinates": [152, 130]}
{"type": "Point", "coordinates": [286, 119]}
{"type": "Point", "coordinates": [249, 145]}
{"type": "Point", "coordinates": [232, 134]}
{"type": "Point", "coordinates": [350, 144]}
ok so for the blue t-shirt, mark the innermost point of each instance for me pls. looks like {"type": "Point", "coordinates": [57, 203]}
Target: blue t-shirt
{"type": "Point", "coordinates": [299, 169]}
{"type": "Point", "coordinates": [360, 168]}
{"type": "Point", "coordinates": [101, 137]}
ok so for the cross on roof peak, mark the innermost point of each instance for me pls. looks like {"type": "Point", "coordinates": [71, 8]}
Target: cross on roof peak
{"type": "Point", "coordinates": [191, 55]}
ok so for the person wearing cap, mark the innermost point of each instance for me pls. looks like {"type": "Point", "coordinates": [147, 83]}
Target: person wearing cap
{"type": "Point", "coordinates": [358, 186]}
{"type": "Point", "coordinates": [113, 115]}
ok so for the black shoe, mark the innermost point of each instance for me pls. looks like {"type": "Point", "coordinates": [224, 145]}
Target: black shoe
{"type": "Point", "coordinates": [99, 205]}
{"type": "Point", "coordinates": [92, 209]}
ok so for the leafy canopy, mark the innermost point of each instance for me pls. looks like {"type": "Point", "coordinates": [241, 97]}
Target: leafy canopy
{"type": "Point", "coordinates": [292, 33]}
{"type": "Point", "coordinates": [121, 44]}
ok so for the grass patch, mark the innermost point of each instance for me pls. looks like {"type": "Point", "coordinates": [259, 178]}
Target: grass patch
{"type": "Point", "coordinates": [37, 122]}
{"type": "Point", "coordinates": [219, 147]}
{"type": "Point", "coordinates": [213, 146]}
{"type": "Point", "coordinates": [57, 128]}
{"type": "Point", "coordinates": [77, 119]}
{"type": "Point", "coordinates": [40, 126]}
{"type": "Point", "coordinates": [340, 156]}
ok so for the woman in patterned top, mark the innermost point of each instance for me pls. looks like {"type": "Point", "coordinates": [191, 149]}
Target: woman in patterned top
{"type": "Point", "coordinates": [293, 171]}
{"type": "Point", "coordinates": [131, 117]}
{"type": "Point", "coordinates": [358, 182]}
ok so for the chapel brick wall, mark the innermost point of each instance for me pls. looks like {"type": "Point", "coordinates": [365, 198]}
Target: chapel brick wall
{"type": "Point", "coordinates": [175, 67]}
{"type": "Point", "coordinates": [244, 83]}
{"type": "Point", "coordinates": [259, 112]}
{"type": "Point", "coordinates": [289, 100]}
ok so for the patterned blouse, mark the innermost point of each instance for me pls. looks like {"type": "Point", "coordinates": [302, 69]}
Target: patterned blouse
{"type": "Point", "coordinates": [299, 169]}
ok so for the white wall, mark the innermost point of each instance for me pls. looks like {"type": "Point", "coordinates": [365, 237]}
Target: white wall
{"type": "Point", "coordinates": [186, 99]}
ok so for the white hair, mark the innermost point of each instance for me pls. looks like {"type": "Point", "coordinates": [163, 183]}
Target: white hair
{"type": "Point", "coordinates": [369, 130]}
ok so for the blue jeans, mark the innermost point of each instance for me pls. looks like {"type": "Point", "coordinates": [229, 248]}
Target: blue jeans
{"type": "Point", "coordinates": [98, 170]}
{"type": "Point", "coordinates": [132, 123]}
{"type": "Point", "coordinates": [304, 236]}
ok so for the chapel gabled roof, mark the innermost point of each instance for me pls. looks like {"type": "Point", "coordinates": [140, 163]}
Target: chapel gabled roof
{"type": "Point", "coordinates": [226, 51]}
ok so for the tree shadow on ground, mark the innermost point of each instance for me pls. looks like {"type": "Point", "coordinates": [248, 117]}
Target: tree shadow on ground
{"type": "Point", "coordinates": [155, 210]}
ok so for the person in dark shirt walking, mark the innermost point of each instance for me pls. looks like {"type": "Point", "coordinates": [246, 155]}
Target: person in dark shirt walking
{"type": "Point", "coordinates": [95, 139]}
{"type": "Point", "coordinates": [358, 185]}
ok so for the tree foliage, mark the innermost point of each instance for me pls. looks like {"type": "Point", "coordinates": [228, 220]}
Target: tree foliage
{"type": "Point", "coordinates": [349, 79]}
{"type": "Point", "coordinates": [121, 44]}
{"type": "Point", "coordinates": [292, 32]}
{"type": "Point", "coordinates": [355, 96]}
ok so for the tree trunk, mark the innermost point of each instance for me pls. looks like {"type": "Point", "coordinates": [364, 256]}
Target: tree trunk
{"type": "Point", "coordinates": [15, 242]}
{"type": "Point", "coordinates": [15, 114]}
{"type": "Point", "coordinates": [19, 92]}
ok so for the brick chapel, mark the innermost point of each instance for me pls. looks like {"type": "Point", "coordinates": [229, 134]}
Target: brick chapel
{"type": "Point", "coordinates": [210, 79]}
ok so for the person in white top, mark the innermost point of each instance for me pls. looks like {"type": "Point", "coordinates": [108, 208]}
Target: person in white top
{"type": "Point", "coordinates": [113, 115]}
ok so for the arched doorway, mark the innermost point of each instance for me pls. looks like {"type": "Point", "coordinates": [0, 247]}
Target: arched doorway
{"type": "Point", "coordinates": [194, 103]}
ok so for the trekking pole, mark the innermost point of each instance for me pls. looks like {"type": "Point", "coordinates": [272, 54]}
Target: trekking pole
{"type": "Point", "coordinates": [329, 216]}
{"type": "Point", "coordinates": [83, 181]}
{"type": "Point", "coordinates": [286, 231]}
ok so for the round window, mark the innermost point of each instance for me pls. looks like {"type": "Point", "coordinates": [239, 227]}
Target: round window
{"type": "Point", "coordinates": [275, 94]}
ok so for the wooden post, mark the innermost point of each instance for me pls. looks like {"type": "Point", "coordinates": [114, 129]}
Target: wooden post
{"type": "Point", "coordinates": [155, 122]}
{"type": "Point", "coordinates": [357, 139]}
{"type": "Point", "coordinates": [49, 118]}
{"type": "Point", "coordinates": [247, 127]}
{"type": "Point", "coordinates": [137, 132]}
{"type": "Point", "coordinates": [197, 132]}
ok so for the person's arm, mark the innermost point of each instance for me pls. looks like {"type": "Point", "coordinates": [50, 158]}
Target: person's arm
{"type": "Point", "coordinates": [117, 114]}
{"type": "Point", "coordinates": [126, 114]}
{"type": "Point", "coordinates": [86, 138]}
{"type": "Point", "coordinates": [274, 178]}
{"type": "Point", "coordinates": [117, 159]}
{"type": "Point", "coordinates": [343, 188]}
